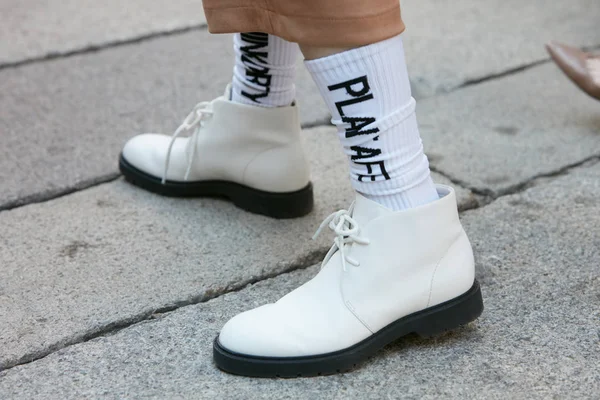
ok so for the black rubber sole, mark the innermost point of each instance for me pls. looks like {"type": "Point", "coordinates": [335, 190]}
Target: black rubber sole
{"type": "Point", "coordinates": [425, 323]}
{"type": "Point", "coordinates": [277, 205]}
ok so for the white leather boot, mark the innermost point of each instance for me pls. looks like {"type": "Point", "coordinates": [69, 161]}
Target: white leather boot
{"type": "Point", "coordinates": [387, 274]}
{"type": "Point", "coordinates": [251, 155]}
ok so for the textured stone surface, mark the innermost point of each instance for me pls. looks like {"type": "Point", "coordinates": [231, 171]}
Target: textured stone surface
{"type": "Point", "coordinates": [39, 28]}
{"type": "Point", "coordinates": [79, 264]}
{"type": "Point", "coordinates": [66, 131]}
{"type": "Point", "coordinates": [501, 134]}
{"type": "Point", "coordinates": [449, 43]}
{"type": "Point", "coordinates": [64, 122]}
{"type": "Point", "coordinates": [538, 338]}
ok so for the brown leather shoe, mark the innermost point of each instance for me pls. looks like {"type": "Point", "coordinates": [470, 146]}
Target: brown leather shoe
{"type": "Point", "coordinates": [583, 68]}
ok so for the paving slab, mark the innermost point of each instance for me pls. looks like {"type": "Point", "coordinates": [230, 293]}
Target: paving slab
{"type": "Point", "coordinates": [497, 136]}
{"type": "Point", "coordinates": [64, 122]}
{"type": "Point", "coordinates": [450, 43]}
{"type": "Point", "coordinates": [39, 28]}
{"type": "Point", "coordinates": [99, 258]}
{"type": "Point", "coordinates": [447, 43]}
{"type": "Point", "coordinates": [538, 338]}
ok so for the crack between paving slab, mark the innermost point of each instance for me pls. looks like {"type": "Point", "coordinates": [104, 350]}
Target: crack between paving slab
{"type": "Point", "coordinates": [509, 72]}
{"type": "Point", "coordinates": [113, 328]}
{"type": "Point", "coordinates": [91, 183]}
{"type": "Point", "coordinates": [499, 75]}
{"type": "Point", "coordinates": [487, 196]}
{"type": "Point", "coordinates": [520, 187]}
{"type": "Point", "coordinates": [305, 262]}
{"type": "Point", "coordinates": [481, 196]}
{"type": "Point", "coordinates": [94, 48]}
{"type": "Point", "coordinates": [55, 194]}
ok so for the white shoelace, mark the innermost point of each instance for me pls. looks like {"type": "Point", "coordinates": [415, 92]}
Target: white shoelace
{"type": "Point", "coordinates": [195, 120]}
{"type": "Point", "coordinates": [346, 230]}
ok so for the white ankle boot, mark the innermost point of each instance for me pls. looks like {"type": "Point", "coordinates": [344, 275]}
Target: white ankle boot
{"type": "Point", "coordinates": [251, 155]}
{"type": "Point", "coordinates": [388, 274]}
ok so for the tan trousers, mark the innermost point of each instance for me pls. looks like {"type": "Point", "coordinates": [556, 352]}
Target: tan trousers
{"type": "Point", "coordinates": [326, 23]}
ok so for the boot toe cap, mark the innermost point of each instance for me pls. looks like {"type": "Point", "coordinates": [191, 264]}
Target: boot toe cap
{"type": "Point", "coordinates": [146, 152]}
{"type": "Point", "coordinates": [259, 332]}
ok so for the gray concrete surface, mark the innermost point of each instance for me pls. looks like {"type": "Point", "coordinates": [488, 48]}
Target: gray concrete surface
{"type": "Point", "coordinates": [448, 43]}
{"type": "Point", "coordinates": [41, 28]}
{"type": "Point", "coordinates": [72, 115]}
{"type": "Point", "coordinates": [452, 42]}
{"type": "Point", "coordinates": [537, 339]}
{"type": "Point", "coordinates": [114, 253]}
{"type": "Point", "coordinates": [492, 136]}
{"type": "Point", "coordinates": [500, 134]}
{"type": "Point", "coordinates": [87, 267]}
{"type": "Point", "coordinates": [65, 121]}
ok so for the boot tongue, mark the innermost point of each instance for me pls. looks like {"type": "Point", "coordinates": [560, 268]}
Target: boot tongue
{"type": "Point", "coordinates": [366, 210]}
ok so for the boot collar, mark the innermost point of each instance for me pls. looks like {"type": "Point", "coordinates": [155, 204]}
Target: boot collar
{"type": "Point", "coordinates": [366, 210]}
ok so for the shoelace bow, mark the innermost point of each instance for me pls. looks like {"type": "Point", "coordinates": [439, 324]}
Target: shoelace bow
{"type": "Point", "coordinates": [346, 230]}
{"type": "Point", "coordinates": [195, 120]}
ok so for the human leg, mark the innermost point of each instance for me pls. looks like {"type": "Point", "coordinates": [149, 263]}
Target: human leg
{"type": "Point", "coordinates": [264, 70]}
{"type": "Point", "coordinates": [368, 94]}
{"type": "Point", "coordinates": [401, 261]}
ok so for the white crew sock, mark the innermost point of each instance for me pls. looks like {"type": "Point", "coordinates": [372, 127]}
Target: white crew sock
{"type": "Point", "coordinates": [368, 93]}
{"type": "Point", "coordinates": [264, 71]}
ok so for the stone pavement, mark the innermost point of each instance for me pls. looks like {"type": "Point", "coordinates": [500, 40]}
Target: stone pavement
{"type": "Point", "coordinates": [107, 291]}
